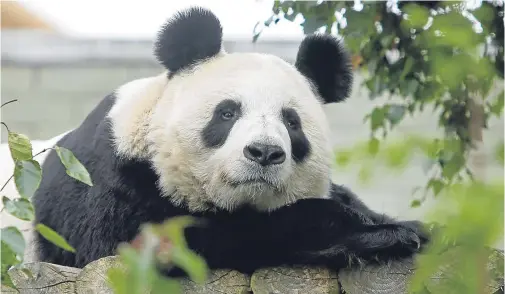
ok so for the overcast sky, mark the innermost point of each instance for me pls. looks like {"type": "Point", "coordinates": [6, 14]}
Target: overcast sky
{"type": "Point", "coordinates": [142, 18]}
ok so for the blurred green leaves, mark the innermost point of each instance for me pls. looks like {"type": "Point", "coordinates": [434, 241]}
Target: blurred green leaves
{"type": "Point", "coordinates": [472, 215]}
{"type": "Point", "coordinates": [158, 246]}
{"type": "Point", "coordinates": [396, 154]}
{"type": "Point", "coordinates": [469, 214]}
{"type": "Point", "coordinates": [416, 16]}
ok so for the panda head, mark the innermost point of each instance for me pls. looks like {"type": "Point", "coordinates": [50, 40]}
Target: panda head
{"type": "Point", "coordinates": [230, 129]}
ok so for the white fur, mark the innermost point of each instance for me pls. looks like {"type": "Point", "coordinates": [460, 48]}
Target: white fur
{"type": "Point", "coordinates": [131, 111]}
{"type": "Point", "coordinates": [162, 121]}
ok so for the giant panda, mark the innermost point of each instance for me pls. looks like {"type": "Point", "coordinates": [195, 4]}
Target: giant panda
{"type": "Point", "coordinates": [239, 140]}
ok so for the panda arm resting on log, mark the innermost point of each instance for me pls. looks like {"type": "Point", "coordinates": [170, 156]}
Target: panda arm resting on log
{"type": "Point", "coordinates": [239, 140]}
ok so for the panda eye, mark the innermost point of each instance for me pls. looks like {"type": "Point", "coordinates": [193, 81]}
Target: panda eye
{"type": "Point", "coordinates": [227, 115]}
{"type": "Point", "coordinates": [292, 124]}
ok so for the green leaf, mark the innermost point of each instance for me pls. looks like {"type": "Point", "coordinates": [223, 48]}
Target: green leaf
{"type": "Point", "coordinates": [291, 16]}
{"type": "Point", "coordinates": [21, 208]}
{"type": "Point", "coordinates": [435, 185]}
{"type": "Point", "coordinates": [9, 259]}
{"type": "Point", "coordinates": [397, 155]}
{"type": "Point", "coordinates": [13, 238]}
{"type": "Point", "coordinates": [180, 255]}
{"type": "Point", "coordinates": [415, 203]}
{"type": "Point", "coordinates": [417, 15]}
{"type": "Point", "coordinates": [409, 87]}
{"type": "Point", "coordinates": [191, 263]}
{"type": "Point", "coordinates": [312, 24]}
{"type": "Point", "coordinates": [497, 107]}
{"type": "Point", "coordinates": [73, 166]}
{"type": "Point", "coordinates": [377, 118]}
{"type": "Point", "coordinates": [387, 40]}
{"type": "Point", "coordinates": [53, 237]}
{"type": "Point", "coordinates": [373, 146]}
{"type": "Point", "coordinates": [365, 174]}
{"type": "Point", "coordinates": [27, 176]}
{"type": "Point", "coordinates": [343, 158]}
{"type": "Point", "coordinates": [359, 23]}
{"type": "Point", "coordinates": [162, 285]}
{"type": "Point", "coordinates": [396, 113]}
{"type": "Point", "coordinates": [407, 67]}
{"type": "Point", "coordinates": [20, 146]}
{"type": "Point", "coordinates": [139, 267]}
{"type": "Point", "coordinates": [116, 278]}
{"type": "Point", "coordinates": [174, 227]}
{"type": "Point", "coordinates": [452, 166]}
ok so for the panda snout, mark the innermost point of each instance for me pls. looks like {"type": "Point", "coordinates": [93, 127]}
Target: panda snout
{"type": "Point", "coordinates": [265, 154]}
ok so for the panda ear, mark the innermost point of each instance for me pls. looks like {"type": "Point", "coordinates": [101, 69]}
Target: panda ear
{"type": "Point", "coordinates": [190, 36]}
{"type": "Point", "coordinates": [326, 63]}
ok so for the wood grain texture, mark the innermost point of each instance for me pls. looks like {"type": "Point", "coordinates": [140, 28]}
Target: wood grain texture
{"type": "Point", "coordinates": [294, 280]}
{"type": "Point", "coordinates": [40, 277]}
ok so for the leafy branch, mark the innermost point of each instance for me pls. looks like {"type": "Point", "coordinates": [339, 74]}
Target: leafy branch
{"type": "Point", "coordinates": [429, 53]}
{"type": "Point", "coordinates": [158, 245]}
{"type": "Point", "coordinates": [27, 176]}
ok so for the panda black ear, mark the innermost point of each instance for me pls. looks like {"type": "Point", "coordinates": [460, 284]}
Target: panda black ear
{"type": "Point", "coordinates": [326, 63]}
{"type": "Point", "coordinates": [190, 36]}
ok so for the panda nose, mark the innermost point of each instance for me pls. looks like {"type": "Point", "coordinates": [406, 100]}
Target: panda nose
{"type": "Point", "coordinates": [265, 154]}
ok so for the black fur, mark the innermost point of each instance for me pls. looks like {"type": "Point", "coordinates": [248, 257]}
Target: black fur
{"type": "Point", "coordinates": [191, 36]}
{"type": "Point", "coordinates": [326, 63]}
{"type": "Point", "coordinates": [217, 129]}
{"type": "Point", "coordinates": [124, 195]}
{"type": "Point", "coordinates": [300, 145]}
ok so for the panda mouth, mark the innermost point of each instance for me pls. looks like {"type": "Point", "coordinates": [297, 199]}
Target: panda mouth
{"type": "Point", "coordinates": [261, 181]}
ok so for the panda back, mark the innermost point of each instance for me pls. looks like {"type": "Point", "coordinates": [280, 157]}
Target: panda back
{"type": "Point", "coordinates": [95, 219]}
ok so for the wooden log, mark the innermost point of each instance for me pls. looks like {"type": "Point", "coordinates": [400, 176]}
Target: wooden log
{"type": "Point", "coordinates": [41, 277]}
{"type": "Point", "coordinates": [294, 280]}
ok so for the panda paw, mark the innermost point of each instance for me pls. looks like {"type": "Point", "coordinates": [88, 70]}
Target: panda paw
{"type": "Point", "coordinates": [409, 240]}
{"type": "Point", "coordinates": [419, 229]}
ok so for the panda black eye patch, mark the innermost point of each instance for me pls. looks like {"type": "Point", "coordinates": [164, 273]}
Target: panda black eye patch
{"type": "Point", "coordinates": [300, 146]}
{"type": "Point", "coordinates": [225, 114]}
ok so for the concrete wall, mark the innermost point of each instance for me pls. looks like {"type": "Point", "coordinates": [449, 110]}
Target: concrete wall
{"type": "Point", "coordinates": [58, 81]}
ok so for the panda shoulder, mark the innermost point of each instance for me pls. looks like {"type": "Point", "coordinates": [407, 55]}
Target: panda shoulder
{"type": "Point", "coordinates": [133, 94]}
{"type": "Point", "coordinates": [342, 194]}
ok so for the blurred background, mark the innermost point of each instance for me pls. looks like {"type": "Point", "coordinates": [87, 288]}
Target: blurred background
{"type": "Point", "coordinates": [59, 58]}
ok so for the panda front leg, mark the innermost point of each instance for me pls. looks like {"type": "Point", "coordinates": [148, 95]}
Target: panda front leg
{"type": "Point", "coordinates": [346, 197]}
{"type": "Point", "coordinates": [345, 233]}
{"type": "Point", "coordinates": [376, 244]}
{"type": "Point", "coordinates": [308, 232]}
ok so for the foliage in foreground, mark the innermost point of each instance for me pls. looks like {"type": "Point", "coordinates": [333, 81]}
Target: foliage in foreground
{"type": "Point", "coordinates": [468, 217]}
{"type": "Point", "coordinates": [157, 245]}
{"type": "Point", "coordinates": [27, 175]}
